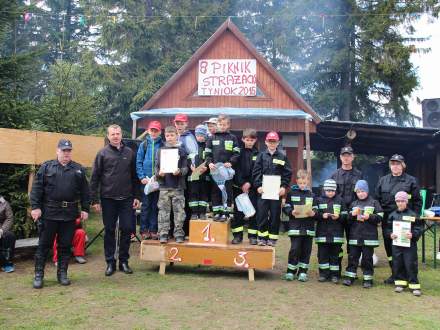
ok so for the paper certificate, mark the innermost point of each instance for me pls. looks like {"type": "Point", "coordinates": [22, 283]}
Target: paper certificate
{"type": "Point", "coordinates": [401, 228]}
{"type": "Point", "coordinates": [169, 160]}
{"type": "Point", "coordinates": [301, 211]}
{"type": "Point", "coordinates": [195, 175]}
{"type": "Point", "coordinates": [271, 187]}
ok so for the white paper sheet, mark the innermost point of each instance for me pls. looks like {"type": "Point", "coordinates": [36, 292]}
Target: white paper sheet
{"type": "Point", "coordinates": [271, 187]}
{"type": "Point", "coordinates": [169, 160]}
{"type": "Point", "coordinates": [400, 228]}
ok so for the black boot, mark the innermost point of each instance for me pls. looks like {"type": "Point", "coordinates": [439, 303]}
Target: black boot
{"type": "Point", "coordinates": [238, 238]}
{"type": "Point", "coordinates": [62, 277]}
{"type": "Point", "coordinates": [39, 271]}
{"type": "Point", "coordinates": [111, 268]}
{"type": "Point", "coordinates": [124, 267]}
{"type": "Point", "coordinates": [63, 264]}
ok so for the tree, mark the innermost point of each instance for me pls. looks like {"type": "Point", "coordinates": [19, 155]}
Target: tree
{"type": "Point", "coordinates": [142, 43]}
{"type": "Point", "coordinates": [347, 58]}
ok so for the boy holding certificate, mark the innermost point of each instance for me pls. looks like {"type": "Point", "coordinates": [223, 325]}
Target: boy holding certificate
{"type": "Point", "coordinates": [271, 175]}
{"type": "Point", "coordinates": [366, 213]}
{"type": "Point", "coordinates": [222, 147]}
{"type": "Point", "coordinates": [404, 228]}
{"type": "Point", "coordinates": [171, 166]}
{"type": "Point", "coordinates": [329, 232]}
{"type": "Point", "coordinates": [299, 207]}
{"type": "Point", "coordinates": [197, 180]}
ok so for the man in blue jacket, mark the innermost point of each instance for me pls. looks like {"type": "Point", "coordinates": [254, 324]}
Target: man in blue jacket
{"type": "Point", "coordinates": [145, 171]}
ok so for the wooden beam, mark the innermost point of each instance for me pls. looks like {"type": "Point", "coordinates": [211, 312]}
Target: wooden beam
{"type": "Point", "coordinates": [162, 267]}
{"type": "Point", "coordinates": [309, 161]}
{"type": "Point", "coordinates": [251, 274]}
{"type": "Point", "coordinates": [133, 129]}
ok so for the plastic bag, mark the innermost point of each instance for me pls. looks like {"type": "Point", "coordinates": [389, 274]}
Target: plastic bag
{"type": "Point", "coordinates": [244, 205]}
{"type": "Point", "coordinates": [222, 174]}
{"type": "Point", "coordinates": [151, 186]}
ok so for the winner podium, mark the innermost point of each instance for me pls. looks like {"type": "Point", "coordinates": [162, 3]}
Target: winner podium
{"type": "Point", "coordinates": [208, 245]}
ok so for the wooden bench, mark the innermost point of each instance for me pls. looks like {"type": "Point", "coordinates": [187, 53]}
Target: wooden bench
{"type": "Point", "coordinates": [26, 243]}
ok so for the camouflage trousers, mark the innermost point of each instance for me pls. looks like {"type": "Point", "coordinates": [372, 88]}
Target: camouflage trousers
{"type": "Point", "coordinates": [175, 200]}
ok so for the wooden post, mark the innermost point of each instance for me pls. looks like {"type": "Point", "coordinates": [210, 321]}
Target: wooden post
{"type": "Point", "coordinates": [133, 129]}
{"type": "Point", "coordinates": [162, 266]}
{"type": "Point", "coordinates": [251, 274]}
{"type": "Point", "coordinates": [31, 178]}
{"type": "Point", "coordinates": [309, 161]}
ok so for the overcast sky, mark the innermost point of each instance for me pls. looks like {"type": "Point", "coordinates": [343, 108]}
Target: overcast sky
{"type": "Point", "coordinates": [427, 64]}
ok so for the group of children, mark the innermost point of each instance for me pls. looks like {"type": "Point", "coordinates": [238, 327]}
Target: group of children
{"type": "Point", "coordinates": [322, 217]}
{"type": "Point", "coordinates": [363, 217]}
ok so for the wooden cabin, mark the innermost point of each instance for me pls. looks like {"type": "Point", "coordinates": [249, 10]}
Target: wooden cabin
{"type": "Point", "coordinates": [228, 75]}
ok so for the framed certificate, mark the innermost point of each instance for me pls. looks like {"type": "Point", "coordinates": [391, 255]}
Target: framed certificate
{"type": "Point", "coordinates": [271, 187]}
{"type": "Point", "coordinates": [169, 160]}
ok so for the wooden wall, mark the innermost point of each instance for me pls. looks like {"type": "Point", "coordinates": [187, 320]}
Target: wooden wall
{"type": "Point", "coordinates": [35, 147]}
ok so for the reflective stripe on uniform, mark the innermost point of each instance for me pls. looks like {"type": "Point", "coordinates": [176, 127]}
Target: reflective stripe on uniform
{"type": "Point", "coordinates": [333, 267]}
{"type": "Point", "coordinates": [273, 236]}
{"type": "Point", "coordinates": [324, 266]}
{"type": "Point", "coordinates": [303, 265]}
{"type": "Point", "coordinates": [400, 283]}
{"type": "Point", "coordinates": [252, 231]}
{"type": "Point", "coordinates": [414, 286]}
{"type": "Point", "coordinates": [293, 232]}
{"type": "Point", "coordinates": [320, 239]}
{"type": "Point", "coordinates": [368, 277]}
{"type": "Point", "coordinates": [310, 232]}
{"type": "Point", "coordinates": [350, 274]}
{"type": "Point", "coordinates": [263, 234]}
{"type": "Point", "coordinates": [292, 267]}
{"type": "Point", "coordinates": [237, 230]}
{"type": "Point", "coordinates": [371, 242]}
{"type": "Point", "coordinates": [353, 242]}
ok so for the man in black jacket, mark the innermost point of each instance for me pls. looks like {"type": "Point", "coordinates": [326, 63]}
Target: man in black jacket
{"type": "Point", "coordinates": [59, 187]}
{"type": "Point", "coordinates": [387, 187]}
{"type": "Point", "coordinates": [114, 173]}
{"type": "Point", "coordinates": [346, 177]}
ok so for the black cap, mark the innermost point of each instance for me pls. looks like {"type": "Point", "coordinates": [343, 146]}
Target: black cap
{"type": "Point", "coordinates": [397, 158]}
{"type": "Point", "coordinates": [347, 150]}
{"type": "Point", "coordinates": [64, 144]}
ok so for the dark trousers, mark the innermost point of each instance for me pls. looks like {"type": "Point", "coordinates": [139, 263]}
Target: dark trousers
{"type": "Point", "coordinates": [268, 218]}
{"type": "Point", "coordinates": [237, 222]}
{"type": "Point", "coordinates": [7, 246]}
{"type": "Point", "coordinates": [112, 209]}
{"type": "Point", "coordinates": [217, 201]}
{"type": "Point", "coordinates": [367, 262]}
{"type": "Point", "coordinates": [328, 259]}
{"type": "Point", "coordinates": [387, 241]}
{"type": "Point", "coordinates": [347, 235]}
{"type": "Point", "coordinates": [299, 254]}
{"type": "Point", "coordinates": [405, 266]}
{"type": "Point", "coordinates": [64, 231]}
{"type": "Point", "coordinates": [149, 212]}
{"type": "Point", "coordinates": [198, 196]}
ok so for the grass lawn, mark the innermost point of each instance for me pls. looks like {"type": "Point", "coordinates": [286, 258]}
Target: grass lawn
{"type": "Point", "coordinates": [206, 298]}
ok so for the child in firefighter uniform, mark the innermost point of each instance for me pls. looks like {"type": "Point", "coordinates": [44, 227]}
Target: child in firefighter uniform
{"type": "Point", "coordinates": [301, 228]}
{"type": "Point", "coordinates": [272, 161]}
{"type": "Point", "coordinates": [329, 232]}
{"type": "Point", "coordinates": [405, 266]}
{"type": "Point", "coordinates": [198, 179]}
{"type": "Point", "coordinates": [366, 213]}
{"type": "Point", "coordinates": [222, 147]}
{"type": "Point", "coordinates": [243, 183]}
